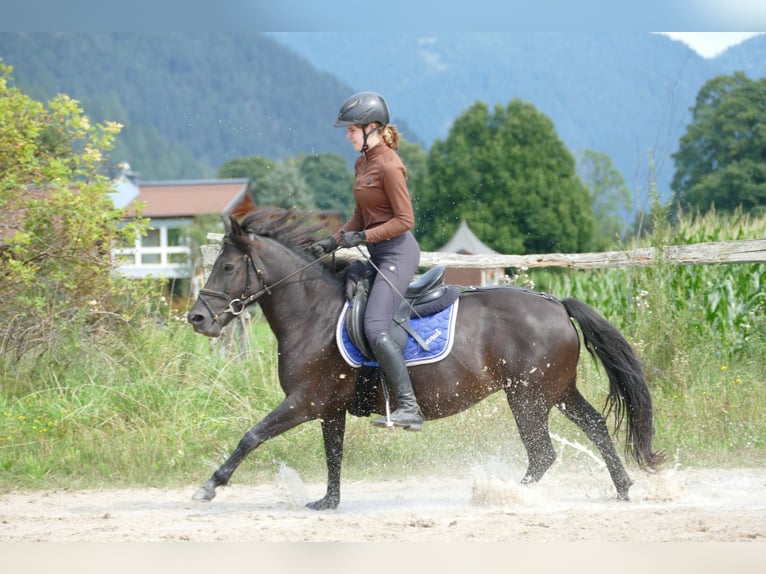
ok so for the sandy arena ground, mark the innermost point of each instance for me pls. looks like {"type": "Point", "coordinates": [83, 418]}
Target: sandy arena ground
{"type": "Point", "coordinates": [723, 505]}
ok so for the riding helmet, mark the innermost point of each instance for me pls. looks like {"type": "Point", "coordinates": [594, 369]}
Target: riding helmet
{"type": "Point", "coordinates": [361, 109]}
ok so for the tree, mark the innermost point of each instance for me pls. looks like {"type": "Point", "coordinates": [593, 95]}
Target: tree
{"type": "Point", "coordinates": [57, 222]}
{"type": "Point", "coordinates": [511, 178]}
{"type": "Point", "coordinates": [330, 180]}
{"type": "Point", "coordinates": [721, 159]}
{"type": "Point", "coordinates": [415, 159]}
{"type": "Point", "coordinates": [609, 195]}
{"type": "Point", "coordinates": [254, 168]}
{"type": "Point", "coordinates": [285, 186]}
{"type": "Point", "coordinates": [277, 183]}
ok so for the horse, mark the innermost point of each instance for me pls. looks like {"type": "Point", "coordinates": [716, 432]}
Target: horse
{"type": "Point", "coordinates": [506, 338]}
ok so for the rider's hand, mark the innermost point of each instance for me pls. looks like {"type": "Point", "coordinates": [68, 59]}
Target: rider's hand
{"type": "Point", "coordinates": [352, 238]}
{"type": "Point", "coordinates": [323, 246]}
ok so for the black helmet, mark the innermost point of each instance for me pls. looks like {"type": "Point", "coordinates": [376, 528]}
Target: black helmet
{"type": "Point", "coordinates": [361, 109]}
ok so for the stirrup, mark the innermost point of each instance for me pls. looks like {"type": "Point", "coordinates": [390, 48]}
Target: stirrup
{"type": "Point", "coordinates": [390, 422]}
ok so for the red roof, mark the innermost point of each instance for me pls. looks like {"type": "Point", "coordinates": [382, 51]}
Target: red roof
{"type": "Point", "coordinates": [190, 198]}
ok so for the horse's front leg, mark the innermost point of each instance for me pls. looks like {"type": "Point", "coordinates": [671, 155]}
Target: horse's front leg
{"type": "Point", "coordinates": [333, 433]}
{"type": "Point", "coordinates": [290, 413]}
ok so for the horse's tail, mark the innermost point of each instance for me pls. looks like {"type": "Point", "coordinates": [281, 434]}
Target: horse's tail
{"type": "Point", "coordinates": [628, 390]}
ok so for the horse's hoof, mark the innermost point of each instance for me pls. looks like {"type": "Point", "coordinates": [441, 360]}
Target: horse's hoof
{"type": "Point", "coordinates": [528, 479]}
{"type": "Point", "coordinates": [622, 489]}
{"type": "Point", "coordinates": [326, 503]}
{"type": "Point", "coordinates": [204, 494]}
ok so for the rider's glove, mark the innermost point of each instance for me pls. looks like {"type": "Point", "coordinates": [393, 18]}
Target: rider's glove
{"type": "Point", "coordinates": [352, 238]}
{"type": "Point", "coordinates": [323, 246]}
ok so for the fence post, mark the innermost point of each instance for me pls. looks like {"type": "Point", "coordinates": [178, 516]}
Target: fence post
{"type": "Point", "coordinates": [234, 339]}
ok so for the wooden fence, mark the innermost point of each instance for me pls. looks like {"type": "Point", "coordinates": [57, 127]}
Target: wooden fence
{"type": "Point", "coordinates": [236, 340]}
{"type": "Point", "coordinates": [745, 251]}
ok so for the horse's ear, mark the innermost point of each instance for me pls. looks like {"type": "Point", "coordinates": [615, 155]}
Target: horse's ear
{"type": "Point", "coordinates": [234, 227]}
{"type": "Point", "coordinates": [226, 224]}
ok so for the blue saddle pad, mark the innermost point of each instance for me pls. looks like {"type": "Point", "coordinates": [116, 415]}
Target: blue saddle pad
{"type": "Point", "coordinates": [436, 330]}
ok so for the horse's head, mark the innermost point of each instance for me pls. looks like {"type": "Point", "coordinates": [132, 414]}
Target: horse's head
{"type": "Point", "coordinates": [234, 283]}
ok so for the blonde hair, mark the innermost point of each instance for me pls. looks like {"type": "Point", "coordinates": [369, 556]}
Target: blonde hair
{"type": "Point", "coordinates": [390, 136]}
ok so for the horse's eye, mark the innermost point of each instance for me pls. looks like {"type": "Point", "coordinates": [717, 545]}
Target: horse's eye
{"type": "Point", "coordinates": [228, 267]}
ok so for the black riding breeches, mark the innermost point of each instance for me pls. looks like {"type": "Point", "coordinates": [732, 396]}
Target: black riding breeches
{"type": "Point", "coordinates": [397, 259]}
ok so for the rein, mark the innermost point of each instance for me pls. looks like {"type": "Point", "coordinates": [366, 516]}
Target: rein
{"type": "Point", "coordinates": [239, 304]}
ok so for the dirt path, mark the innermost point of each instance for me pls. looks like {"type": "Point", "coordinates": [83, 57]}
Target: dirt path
{"type": "Point", "coordinates": [680, 505]}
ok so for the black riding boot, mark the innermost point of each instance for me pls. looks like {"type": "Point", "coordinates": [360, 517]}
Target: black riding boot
{"type": "Point", "coordinates": [407, 414]}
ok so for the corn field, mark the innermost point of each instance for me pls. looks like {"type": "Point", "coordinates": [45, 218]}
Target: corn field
{"type": "Point", "coordinates": [665, 307]}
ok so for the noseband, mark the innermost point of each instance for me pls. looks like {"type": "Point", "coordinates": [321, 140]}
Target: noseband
{"type": "Point", "coordinates": [238, 304]}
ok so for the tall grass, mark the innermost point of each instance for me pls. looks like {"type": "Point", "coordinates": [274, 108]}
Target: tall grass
{"type": "Point", "coordinates": [701, 332]}
{"type": "Point", "coordinates": [155, 404]}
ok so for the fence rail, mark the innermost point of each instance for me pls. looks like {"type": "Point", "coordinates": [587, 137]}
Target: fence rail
{"type": "Point", "coordinates": [745, 251]}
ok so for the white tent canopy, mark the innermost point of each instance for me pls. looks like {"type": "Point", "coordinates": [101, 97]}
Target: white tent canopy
{"type": "Point", "coordinates": [464, 241]}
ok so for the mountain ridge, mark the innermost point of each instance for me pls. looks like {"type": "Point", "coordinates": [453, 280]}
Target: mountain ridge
{"type": "Point", "coordinates": [191, 101]}
{"type": "Point", "coordinates": [625, 94]}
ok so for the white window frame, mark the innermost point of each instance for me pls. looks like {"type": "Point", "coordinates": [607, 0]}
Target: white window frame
{"type": "Point", "coordinates": [164, 268]}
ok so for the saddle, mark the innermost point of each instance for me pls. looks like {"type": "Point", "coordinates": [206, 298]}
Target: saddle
{"type": "Point", "coordinates": [425, 296]}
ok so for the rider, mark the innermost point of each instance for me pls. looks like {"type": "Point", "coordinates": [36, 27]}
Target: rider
{"type": "Point", "coordinates": [383, 218]}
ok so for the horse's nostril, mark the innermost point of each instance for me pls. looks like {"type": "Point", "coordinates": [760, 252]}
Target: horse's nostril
{"type": "Point", "coordinates": [194, 318]}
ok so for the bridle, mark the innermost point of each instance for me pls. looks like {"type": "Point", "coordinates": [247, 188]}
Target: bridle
{"type": "Point", "coordinates": [237, 305]}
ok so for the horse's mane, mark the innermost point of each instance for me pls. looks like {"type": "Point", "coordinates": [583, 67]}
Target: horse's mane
{"type": "Point", "coordinates": [296, 230]}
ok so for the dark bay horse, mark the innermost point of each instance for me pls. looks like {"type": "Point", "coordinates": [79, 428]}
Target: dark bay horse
{"type": "Point", "coordinates": [506, 338]}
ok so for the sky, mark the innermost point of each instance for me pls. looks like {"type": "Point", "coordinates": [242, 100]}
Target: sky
{"type": "Point", "coordinates": [711, 44]}
{"type": "Point", "coordinates": [397, 15]}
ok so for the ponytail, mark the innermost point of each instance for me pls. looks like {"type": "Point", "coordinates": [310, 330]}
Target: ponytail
{"type": "Point", "coordinates": [390, 136]}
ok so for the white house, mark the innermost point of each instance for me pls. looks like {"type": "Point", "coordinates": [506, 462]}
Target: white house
{"type": "Point", "coordinates": [170, 206]}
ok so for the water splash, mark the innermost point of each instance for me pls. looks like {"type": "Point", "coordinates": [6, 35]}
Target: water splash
{"type": "Point", "coordinates": [290, 487]}
{"type": "Point", "coordinates": [495, 484]}
{"type": "Point", "coordinates": [577, 446]}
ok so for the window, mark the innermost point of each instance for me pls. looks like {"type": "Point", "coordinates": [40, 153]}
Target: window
{"type": "Point", "coordinates": [163, 251]}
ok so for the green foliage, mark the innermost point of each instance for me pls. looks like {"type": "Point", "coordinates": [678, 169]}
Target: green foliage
{"type": "Point", "coordinates": [720, 158]}
{"type": "Point", "coordinates": [609, 195]}
{"type": "Point", "coordinates": [253, 168]}
{"type": "Point", "coordinates": [321, 181]}
{"type": "Point", "coordinates": [330, 180]}
{"type": "Point", "coordinates": [672, 310]}
{"type": "Point", "coordinates": [415, 159]}
{"type": "Point", "coordinates": [271, 182]}
{"type": "Point", "coordinates": [155, 404]}
{"type": "Point", "coordinates": [285, 186]}
{"type": "Point", "coordinates": [188, 101]}
{"type": "Point", "coordinates": [58, 224]}
{"type": "Point", "coordinates": [509, 176]}
{"type": "Point", "coordinates": [700, 331]}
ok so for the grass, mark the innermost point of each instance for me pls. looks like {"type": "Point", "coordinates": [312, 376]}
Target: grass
{"type": "Point", "coordinates": [170, 417]}
{"type": "Point", "coordinates": [700, 331]}
{"type": "Point", "coordinates": [153, 404]}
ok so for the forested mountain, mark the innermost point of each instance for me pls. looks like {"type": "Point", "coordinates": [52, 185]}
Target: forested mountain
{"type": "Point", "coordinates": [625, 94]}
{"type": "Point", "coordinates": [191, 101]}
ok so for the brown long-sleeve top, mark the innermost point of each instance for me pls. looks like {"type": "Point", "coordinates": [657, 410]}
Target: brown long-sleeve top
{"type": "Point", "coordinates": [383, 205]}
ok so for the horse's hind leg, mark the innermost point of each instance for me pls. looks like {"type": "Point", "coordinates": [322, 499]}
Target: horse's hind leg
{"type": "Point", "coordinates": [532, 422]}
{"type": "Point", "coordinates": [592, 423]}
